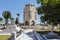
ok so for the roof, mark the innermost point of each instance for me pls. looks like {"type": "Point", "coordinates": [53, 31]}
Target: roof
{"type": "Point", "coordinates": [29, 4]}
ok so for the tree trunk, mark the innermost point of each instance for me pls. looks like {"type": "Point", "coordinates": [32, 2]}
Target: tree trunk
{"type": "Point", "coordinates": [52, 28]}
{"type": "Point", "coordinates": [6, 22]}
{"type": "Point", "coordinates": [59, 26]}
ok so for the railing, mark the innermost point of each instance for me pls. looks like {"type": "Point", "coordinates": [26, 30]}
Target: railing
{"type": "Point", "coordinates": [15, 35]}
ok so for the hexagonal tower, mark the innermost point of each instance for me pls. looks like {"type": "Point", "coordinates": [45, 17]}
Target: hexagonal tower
{"type": "Point", "coordinates": [30, 14]}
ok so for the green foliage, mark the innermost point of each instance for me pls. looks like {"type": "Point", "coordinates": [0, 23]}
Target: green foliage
{"type": "Point", "coordinates": [6, 16]}
{"type": "Point", "coordinates": [50, 2]}
{"type": "Point", "coordinates": [1, 18]}
{"type": "Point", "coordinates": [19, 24]}
{"type": "Point", "coordinates": [11, 18]}
{"type": "Point", "coordinates": [39, 9]}
{"type": "Point", "coordinates": [51, 11]}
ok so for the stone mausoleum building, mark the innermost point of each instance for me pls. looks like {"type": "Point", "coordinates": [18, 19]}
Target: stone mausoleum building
{"type": "Point", "coordinates": [30, 14]}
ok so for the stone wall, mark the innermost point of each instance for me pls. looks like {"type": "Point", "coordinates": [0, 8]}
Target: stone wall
{"type": "Point", "coordinates": [38, 27]}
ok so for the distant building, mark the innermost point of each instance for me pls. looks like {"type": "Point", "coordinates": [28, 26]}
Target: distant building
{"type": "Point", "coordinates": [30, 14]}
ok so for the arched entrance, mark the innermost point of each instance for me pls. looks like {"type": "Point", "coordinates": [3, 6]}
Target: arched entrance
{"type": "Point", "coordinates": [33, 23]}
{"type": "Point", "coordinates": [26, 23]}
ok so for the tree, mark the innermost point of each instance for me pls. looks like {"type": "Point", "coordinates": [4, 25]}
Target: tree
{"type": "Point", "coordinates": [50, 10]}
{"type": "Point", "coordinates": [1, 19]}
{"type": "Point", "coordinates": [26, 23]}
{"type": "Point", "coordinates": [6, 16]}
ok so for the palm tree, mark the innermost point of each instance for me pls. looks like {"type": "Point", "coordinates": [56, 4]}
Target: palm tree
{"type": "Point", "coordinates": [1, 19]}
{"type": "Point", "coordinates": [6, 16]}
{"type": "Point", "coordinates": [11, 18]}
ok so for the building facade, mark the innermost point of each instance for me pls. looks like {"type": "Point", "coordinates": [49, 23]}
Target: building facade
{"type": "Point", "coordinates": [30, 14]}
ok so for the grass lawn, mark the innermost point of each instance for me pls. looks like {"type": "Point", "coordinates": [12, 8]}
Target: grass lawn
{"type": "Point", "coordinates": [47, 31]}
{"type": "Point", "coordinates": [4, 37]}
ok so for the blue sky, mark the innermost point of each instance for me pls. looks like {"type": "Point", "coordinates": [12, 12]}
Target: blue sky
{"type": "Point", "coordinates": [16, 6]}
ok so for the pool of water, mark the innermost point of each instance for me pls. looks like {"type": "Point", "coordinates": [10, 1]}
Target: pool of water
{"type": "Point", "coordinates": [46, 32]}
{"type": "Point", "coordinates": [45, 35]}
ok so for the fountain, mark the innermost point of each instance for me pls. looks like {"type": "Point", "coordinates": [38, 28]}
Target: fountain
{"type": "Point", "coordinates": [51, 35]}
